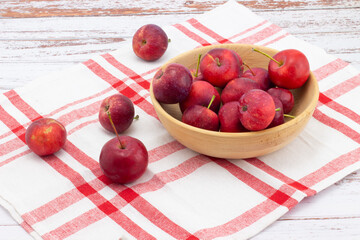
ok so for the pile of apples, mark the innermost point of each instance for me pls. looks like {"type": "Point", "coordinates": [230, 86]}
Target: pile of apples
{"type": "Point", "coordinates": [220, 96]}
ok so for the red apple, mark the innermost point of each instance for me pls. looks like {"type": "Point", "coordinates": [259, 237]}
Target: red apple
{"type": "Point", "coordinates": [219, 66]}
{"type": "Point", "coordinates": [150, 42]}
{"type": "Point", "coordinates": [201, 117]}
{"type": "Point", "coordinates": [279, 113]}
{"type": "Point", "coordinates": [288, 68]}
{"type": "Point", "coordinates": [201, 93]}
{"type": "Point", "coordinates": [45, 136]}
{"type": "Point", "coordinates": [123, 159]}
{"type": "Point", "coordinates": [257, 110]}
{"type": "Point", "coordinates": [285, 96]}
{"type": "Point", "coordinates": [173, 84]}
{"type": "Point", "coordinates": [122, 112]}
{"type": "Point", "coordinates": [259, 75]}
{"type": "Point", "coordinates": [229, 118]}
{"type": "Point", "coordinates": [236, 88]}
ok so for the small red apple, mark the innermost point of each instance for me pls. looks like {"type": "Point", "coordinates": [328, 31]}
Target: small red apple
{"type": "Point", "coordinates": [150, 42]}
{"type": "Point", "coordinates": [201, 93]}
{"type": "Point", "coordinates": [288, 68]}
{"type": "Point", "coordinates": [259, 75]}
{"type": "Point", "coordinates": [219, 66]}
{"type": "Point", "coordinates": [201, 117]}
{"type": "Point", "coordinates": [279, 113]}
{"type": "Point", "coordinates": [45, 136]}
{"type": "Point", "coordinates": [257, 110]}
{"type": "Point", "coordinates": [123, 159]}
{"type": "Point", "coordinates": [172, 85]}
{"type": "Point", "coordinates": [229, 118]}
{"type": "Point", "coordinates": [122, 112]}
{"type": "Point", "coordinates": [285, 96]}
{"type": "Point", "coordinates": [236, 88]}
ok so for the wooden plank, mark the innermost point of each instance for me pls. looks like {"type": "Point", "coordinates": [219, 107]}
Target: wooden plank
{"type": "Point", "coordinates": [51, 8]}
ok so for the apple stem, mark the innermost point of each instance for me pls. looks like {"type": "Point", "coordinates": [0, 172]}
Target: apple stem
{"type": "Point", "coordinates": [113, 125]}
{"type": "Point", "coordinates": [211, 101]}
{"type": "Point", "coordinates": [197, 66]}
{"type": "Point", "coordinates": [267, 55]}
{"type": "Point", "coordinates": [289, 116]}
{"type": "Point", "coordinates": [216, 60]}
{"type": "Point", "coordinates": [252, 72]}
{"type": "Point", "coordinates": [169, 40]}
{"type": "Point", "coordinates": [277, 109]}
{"type": "Point", "coordinates": [136, 117]}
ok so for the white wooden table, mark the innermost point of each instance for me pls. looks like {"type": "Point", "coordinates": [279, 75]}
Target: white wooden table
{"type": "Point", "coordinates": [40, 36]}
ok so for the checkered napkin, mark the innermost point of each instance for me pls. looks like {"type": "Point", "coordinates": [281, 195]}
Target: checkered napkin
{"type": "Point", "coordinates": [182, 195]}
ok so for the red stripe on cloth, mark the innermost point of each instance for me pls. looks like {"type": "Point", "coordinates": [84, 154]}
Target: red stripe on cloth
{"type": "Point", "coordinates": [12, 124]}
{"type": "Point", "coordinates": [10, 146]}
{"type": "Point", "coordinates": [192, 35]}
{"type": "Point", "coordinates": [154, 215]}
{"type": "Point", "coordinates": [53, 207]}
{"type": "Point", "coordinates": [276, 39]}
{"type": "Point", "coordinates": [27, 227]}
{"type": "Point", "coordinates": [331, 168]}
{"type": "Point", "coordinates": [159, 180]}
{"type": "Point", "coordinates": [116, 83]}
{"type": "Point", "coordinates": [164, 150]}
{"type": "Point", "coordinates": [15, 157]}
{"type": "Point", "coordinates": [329, 69]}
{"type": "Point", "coordinates": [196, 24]}
{"type": "Point", "coordinates": [278, 175]}
{"type": "Point", "coordinates": [261, 187]}
{"type": "Point", "coordinates": [339, 108]}
{"type": "Point", "coordinates": [75, 224]}
{"type": "Point", "coordinates": [243, 221]}
{"type": "Point", "coordinates": [248, 30]}
{"type": "Point", "coordinates": [23, 106]}
{"type": "Point", "coordinates": [261, 35]}
{"type": "Point", "coordinates": [343, 87]}
{"type": "Point", "coordinates": [339, 126]}
{"type": "Point", "coordinates": [130, 73]}
{"type": "Point", "coordinates": [77, 114]}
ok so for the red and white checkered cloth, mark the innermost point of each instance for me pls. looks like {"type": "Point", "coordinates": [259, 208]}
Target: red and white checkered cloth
{"type": "Point", "coordinates": [182, 195]}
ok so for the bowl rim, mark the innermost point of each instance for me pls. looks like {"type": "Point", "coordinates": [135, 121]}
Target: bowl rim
{"type": "Point", "coordinates": [309, 109]}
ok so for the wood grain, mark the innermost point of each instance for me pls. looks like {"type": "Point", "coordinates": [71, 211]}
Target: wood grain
{"type": "Point", "coordinates": [48, 8]}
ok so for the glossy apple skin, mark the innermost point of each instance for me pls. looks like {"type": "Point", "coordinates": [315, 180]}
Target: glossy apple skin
{"type": "Point", "coordinates": [219, 66]}
{"type": "Point", "coordinates": [201, 93]}
{"type": "Point", "coordinates": [173, 84]}
{"type": "Point", "coordinates": [279, 115]}
{"type": "Point", "coordinates": [229, 118]}
{"type": "Point", "coordinates": [150, 42]}
{"type": "Point", "coordinates": [236, 88]}
{"type": "Point", "coordinates": [261, 77]}
{"type": "Point", "coordinates": [121, 110]}
{"type": "Point", "coordinates": [257, 110]}
{"type": "Point", "coordinates": [123, 165]}
{"type": "Point", "coordinates": [201, 117]}
{"type": "Point", "coordinates": [293, 71]}
{"type": "Point", "coordinates": [45, 136]}
{"type": "Point", "coordinates": [285, 96]}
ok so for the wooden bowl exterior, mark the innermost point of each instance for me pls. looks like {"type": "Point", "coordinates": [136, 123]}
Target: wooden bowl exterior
{"type": "Point", "coordinates": [238, 145]}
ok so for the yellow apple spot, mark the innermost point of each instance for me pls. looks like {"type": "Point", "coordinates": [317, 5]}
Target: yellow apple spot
{"type": "Point", "coordinates": [48, 130]}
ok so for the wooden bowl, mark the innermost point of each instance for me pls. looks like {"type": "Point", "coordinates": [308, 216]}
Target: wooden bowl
{"type": "Point", "coordinates": [245, 144]}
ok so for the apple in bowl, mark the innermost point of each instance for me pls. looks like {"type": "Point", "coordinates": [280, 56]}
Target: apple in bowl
{"type": "Point", "coordinates": [246, 144]}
